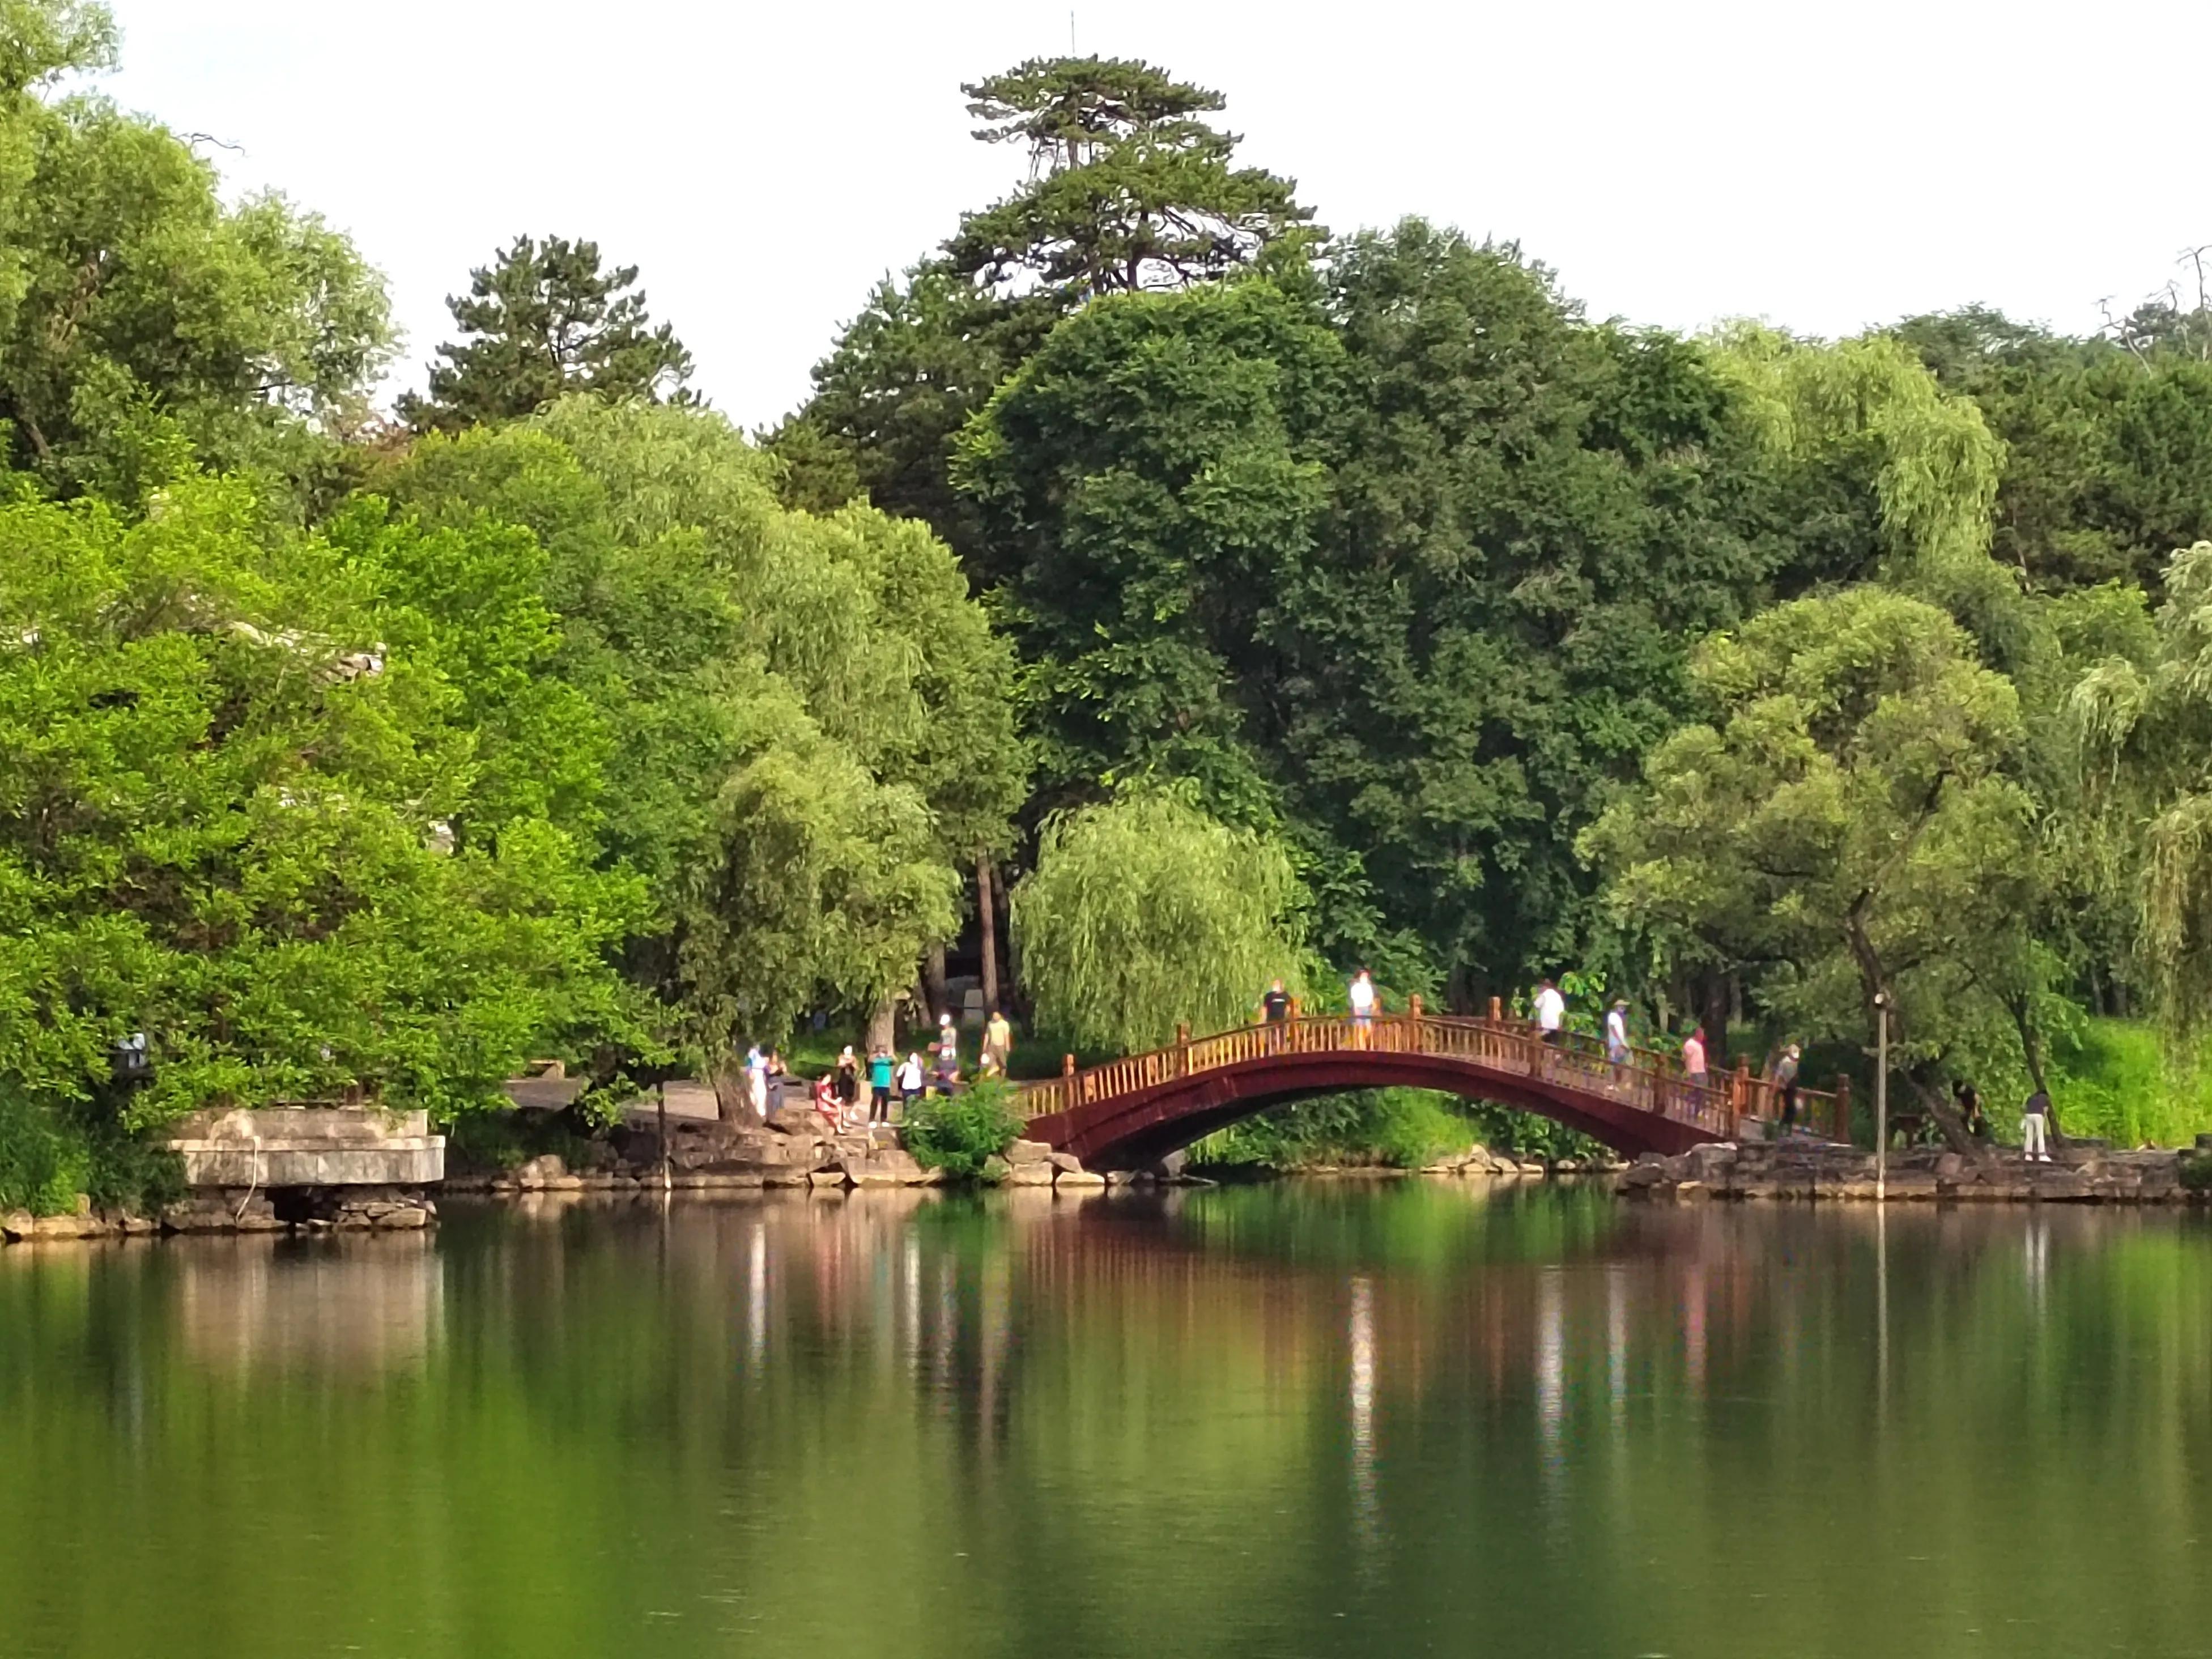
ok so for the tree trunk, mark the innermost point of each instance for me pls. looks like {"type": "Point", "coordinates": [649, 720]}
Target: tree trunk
{"type": "Point", "coordinates": [1872, 983]}
{"type": "Point", "coordinates": [986, 915]}
{"type": "Point", "coordinates": [1713, 1014]}
{"type": "Point", "coordinates": [1939, 1108]}
{"type": "Point", "coordinates": [731, 1103]}
{"type": "Point", "coordinates": [882, 1026]}
{"type": "Point", "coordinates": [932, 980]}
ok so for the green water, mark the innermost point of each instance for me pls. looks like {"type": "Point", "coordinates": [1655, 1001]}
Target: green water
{"type": "Point", "coordinates": [1321, 1420]}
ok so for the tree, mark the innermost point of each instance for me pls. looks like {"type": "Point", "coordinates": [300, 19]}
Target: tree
{"type": "Point", "coordinates": [225, 822]}
{"type": "Point", "coordinates": [1851, 825]}
{"type": "Point", "coordinates": [2146, 720]}
{"type": "Point", "coordinates": [143, 322]}
{"type": "Point", "coordinates": [1144, 484]}
{"type": "Point", "coordinates": [1406, 565]}
{"type": "Point", "coordinates": [1129, 188]}
{"type": "Point", "coordinates": [809, 718]}
{"type": "Point", "coordinates": [1143, 912]}
{"type": "Point", "coordinates": [543, 320]}
{"type": "Point", "coordinates": [2108, 454]}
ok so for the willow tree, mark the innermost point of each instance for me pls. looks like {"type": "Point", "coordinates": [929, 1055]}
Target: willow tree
{"type": "Point", "coordinates": [2146, 723]}
{"type": "Point", "coordinates": [1862, 424]}
{"type": "Point", "coordinates": [1852, 826]}
{"type": "Point", "coordinates": [1145, 913]}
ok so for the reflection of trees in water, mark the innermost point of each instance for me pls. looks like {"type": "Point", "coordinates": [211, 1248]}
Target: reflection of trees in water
{"type": "Point", "coordinates": [1317, 1395]}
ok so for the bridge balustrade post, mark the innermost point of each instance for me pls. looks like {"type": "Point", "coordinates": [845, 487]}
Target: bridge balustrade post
{"type": "Point", "coordinates": [1496, 1011]}
{"type": "Point", "coordinates": [1182, 1047]}
{"type": "Point", "coordinates": [1843, 1124]}
{"type": "Point", "coordinates": [1067, 1083]}
{"type": "Point", "coordinates": [1413, 1044]}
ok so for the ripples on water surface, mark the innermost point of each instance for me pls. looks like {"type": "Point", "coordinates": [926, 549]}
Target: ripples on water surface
{"type": "Point", "coordinates": [1316, 1419]}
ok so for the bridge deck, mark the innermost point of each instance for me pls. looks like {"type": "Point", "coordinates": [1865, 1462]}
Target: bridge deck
{"type": "Point", "coordinates": [1174, 1094]}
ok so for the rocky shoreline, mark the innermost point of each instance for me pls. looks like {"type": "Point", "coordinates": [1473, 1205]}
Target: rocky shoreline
{"type": "Point", "coordinates": [791, 1152]}
{"type": "Point", "coordinates": [2083, 1173]}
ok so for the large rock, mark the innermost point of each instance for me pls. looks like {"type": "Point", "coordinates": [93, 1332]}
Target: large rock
{"type": "Point", "coordinates": [17, 1225]}
{"type": "Point", "coordinates": [1038, 1174]}
{"type": "Point", "coordinates": [891, 1167]}
{"type": "Point", "coordinates": [1708, 1162]}
{"type": "Point", "coordinates": [1028, 1152]}
{"type": "Point", "coordinates": [996, 1169]}
{"type": "Point", "coordinates": [793, 1120]}
{"type": "Point", "coordinates": [1077, 1177]}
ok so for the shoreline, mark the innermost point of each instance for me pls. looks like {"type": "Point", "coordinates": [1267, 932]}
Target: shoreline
{"type": "Point", "coordinates": [1720, 1173]}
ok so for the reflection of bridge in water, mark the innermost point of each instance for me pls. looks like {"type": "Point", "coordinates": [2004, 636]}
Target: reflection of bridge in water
{"type": "Point", "coordinates": [1131, 1112]}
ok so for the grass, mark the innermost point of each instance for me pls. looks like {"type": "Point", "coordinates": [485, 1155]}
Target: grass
{"type": "Point", "coordinates": [2118, 1083]}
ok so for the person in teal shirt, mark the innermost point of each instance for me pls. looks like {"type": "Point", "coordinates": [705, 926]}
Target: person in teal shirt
{"type": "Point", "coordinates": [879, 1087]}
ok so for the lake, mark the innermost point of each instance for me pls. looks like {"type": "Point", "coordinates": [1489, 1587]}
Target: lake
{"type": "Point", "coordinates": [1310, 1418]}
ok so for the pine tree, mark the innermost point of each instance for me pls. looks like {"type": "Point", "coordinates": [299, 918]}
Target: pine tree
{"type": "Point", "coordinates": [542, 320]}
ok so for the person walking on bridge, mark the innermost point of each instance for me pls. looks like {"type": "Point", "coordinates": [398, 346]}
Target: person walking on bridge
{"type": "Point", "coordinates": [1361, 996]}
{"type": "Point", "coordinates": [1551, 1011]}
{"type": "Point", "coordinates": [1275, 1014]}
{"type": "Point", "coordinates": [1785, 1080]}
{"type": "Point", "coordinates": [1694, 1059]}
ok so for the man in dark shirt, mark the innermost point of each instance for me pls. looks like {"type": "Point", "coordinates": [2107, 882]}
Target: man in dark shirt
{"type": "Point", "coordinates": [1275, 1009]}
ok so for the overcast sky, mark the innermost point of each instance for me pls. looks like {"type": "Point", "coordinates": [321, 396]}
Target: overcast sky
{"type": "Point", "coordinates": [1826, 166]}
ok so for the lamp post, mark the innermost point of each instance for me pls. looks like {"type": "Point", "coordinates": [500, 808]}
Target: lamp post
{"type": "Point", "coordinates": [1880, 1096]}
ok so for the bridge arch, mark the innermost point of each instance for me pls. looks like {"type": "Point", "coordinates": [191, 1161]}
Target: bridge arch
{"type": "Point", "coordinates": [1130, 1113]}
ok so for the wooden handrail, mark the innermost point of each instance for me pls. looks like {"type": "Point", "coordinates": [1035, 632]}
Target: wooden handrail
{"type": "Point", "coordinates": [1648, 1081]}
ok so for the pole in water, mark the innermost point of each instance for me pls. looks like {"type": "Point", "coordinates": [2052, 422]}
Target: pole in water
{"type": "Point", "coordinates": [660, 1112]}
{"type": "Point", "coordinates": [1882, 1097]}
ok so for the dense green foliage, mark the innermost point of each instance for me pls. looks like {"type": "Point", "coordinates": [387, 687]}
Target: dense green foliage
{"type": "Point", "coordinates": [960, 1133]}
{"type": "Point", "coordinates": [1257, 603]}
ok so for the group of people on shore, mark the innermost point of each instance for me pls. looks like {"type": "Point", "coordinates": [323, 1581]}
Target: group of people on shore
{"type": "Point", "coordinates": [855, 1094]}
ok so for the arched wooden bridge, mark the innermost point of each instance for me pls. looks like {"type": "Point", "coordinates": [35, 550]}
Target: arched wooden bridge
{"type": "Point", "coordinates": [1129, 1112]}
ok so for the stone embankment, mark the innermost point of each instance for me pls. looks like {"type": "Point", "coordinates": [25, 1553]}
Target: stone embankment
{"type": "Point", "coordinates": [790, 1151]}
{"type": "Point", "coordinates": [241, 1211]}
{"type": "Point", "coordinates": [2084, 1173]}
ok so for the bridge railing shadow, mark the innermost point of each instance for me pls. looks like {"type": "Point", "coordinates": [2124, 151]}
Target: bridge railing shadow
{"type": "Point", "coordinates": [1728, 1106]}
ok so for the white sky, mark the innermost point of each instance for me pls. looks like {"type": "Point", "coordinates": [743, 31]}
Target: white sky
{"type": "Point", "coordinates": [1827, 167]}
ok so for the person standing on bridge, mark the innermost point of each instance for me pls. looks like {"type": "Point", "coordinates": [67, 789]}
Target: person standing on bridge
{"type": "Point", "coordinates": [1275, 1014]}
{"type": "Point", "coordinates": [1361, 996]}
{"type": "Point", "coordinates": [1694, 1059]}
{"type": "Point", "coordinates": [1551, 1011]}
{"type": "Point", "coordinates": [1616, 1035]}
{"type": "Point", "coordinates": [1785, 1079]}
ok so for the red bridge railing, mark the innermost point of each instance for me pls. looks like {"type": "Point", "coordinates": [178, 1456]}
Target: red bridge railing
{"type": "Point", "coordinates": [1648, 1081]}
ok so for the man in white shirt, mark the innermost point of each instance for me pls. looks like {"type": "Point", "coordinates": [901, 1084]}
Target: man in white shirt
{"type": "Point", "coordinates": [1361, 994]}
{"type": "Point", "coordinates": [1551, 1011]}
{"type": "Point", "coordinates": [1616, 1036]}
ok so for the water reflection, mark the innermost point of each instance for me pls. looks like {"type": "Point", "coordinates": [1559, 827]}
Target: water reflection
{"type": "Point", "coordinates": [1326, 1420]}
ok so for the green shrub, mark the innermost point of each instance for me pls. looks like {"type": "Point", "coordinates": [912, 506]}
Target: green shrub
{"type": "Point", "coordinates": [1400, 1128]}
{"type": "Point", "coordinates": [49, 1155]}
{"type": "Point", "coordinates": [2196, 1172]}
{"type": "Point", "coordinates": [957, 1135]}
